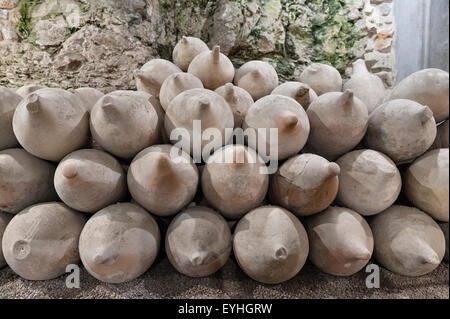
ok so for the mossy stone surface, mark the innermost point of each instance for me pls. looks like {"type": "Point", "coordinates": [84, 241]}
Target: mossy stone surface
{"type": "Point", "coordinates": [86, 37]}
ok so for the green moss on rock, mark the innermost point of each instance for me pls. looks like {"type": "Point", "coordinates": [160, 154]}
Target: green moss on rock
{"type": "Point", "coordinates": [24, 22]}
{"type": "Point", "coordinates": [311, 31]}
{"type": "Point", "coordinates": [334, 33]}
{"type": "Point", "coordinates": [289, 34]}
{"type": "Point", "coordinates": [32, 11]}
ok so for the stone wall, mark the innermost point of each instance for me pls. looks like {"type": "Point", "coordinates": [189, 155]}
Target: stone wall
{"type": "Point", "coordinates": [99, 43]}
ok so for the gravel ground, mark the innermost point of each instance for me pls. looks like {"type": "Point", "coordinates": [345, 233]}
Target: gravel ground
{"type": "Point", "coordinates": [162, 281]}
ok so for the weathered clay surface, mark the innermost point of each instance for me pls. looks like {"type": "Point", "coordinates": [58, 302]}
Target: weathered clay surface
{"type": "Point", "coordinates": [163, 179]}
{"type": "Point", "coordinates": [428, 87]}
{"type": "Point", "coordinates": [427, 184]}
{"type": "Point", "coordinates": [89, 180]}
{"type": "Point", "coordinates": [338, 123]}
{"type": "Point", "coordinates": [322, 78]}
{"type": "Point", "coordinates": [367, 87]}
{"type": "Point", "coordinates": [154, 101]}
{"type": "Point", "coordinates": [270, 244]}
{"type": "Point", "coordinates": [340, 241]}
{"type": "Point", "coordinates": [444, 228]}
{"type": "Point", "coordinates": [29, 88]}
{"type": "Point", "coordinates": [213, 68]}
{"type": "Point", "coordinates": [4, 220]}
{"type": "Point", "coordinates": [401, 129]}
{"type": "Point", "coordinates": [186, 50]}
{"type": "Point", "coordinates": [24, 180]}
{"type": "Point", "coordinates": [442, 136]}
{"type": "Point", "coordinates": [88, 96]}
{"type": "Point", "coordinates": [305, 184]}
{"type": "Point", "coordinates": [299, 91]}
{"type": "Point", "coordinates": [124, 125]}
{"type": "Point", "coordinates": [369, 182]}
{"type": "Point", "coordinates": [235, 180]}
{"type": "Point", "coordinates": [282, 113]}
{"type": "Point", "coordinates": [199, 104]}
{"type": "Point", "coordinates": [119, 243]}
{"type": "Point", "coordinates": [51, 123]}
{"type": "Point", "coordinates": [198, 242]}
{"type": "Point", "coordinates": [238, 99]}
{"type": "Point", "coordinates": [42, 240]}
{"type": "Point", "coordinates": [258, 78]}
{"type": "Point", "coordinates": [407, 241]}
{"type": "Point", "coordinates": [153, 74]}
{"type": "Point", "coordinates": [175, 84]}
{"type": "Point", "coordinates": [8, 103]}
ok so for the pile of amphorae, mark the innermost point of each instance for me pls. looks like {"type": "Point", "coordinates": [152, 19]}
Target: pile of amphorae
{"type": "Point", "coordinates": [102, 178]}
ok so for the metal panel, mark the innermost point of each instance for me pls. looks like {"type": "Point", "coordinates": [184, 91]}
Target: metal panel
{"type": "Point", "coordinates": [422, 35]}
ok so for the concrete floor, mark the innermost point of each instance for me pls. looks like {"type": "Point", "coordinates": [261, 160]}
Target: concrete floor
{"type": "Point", "coordinates": [162, 281]}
